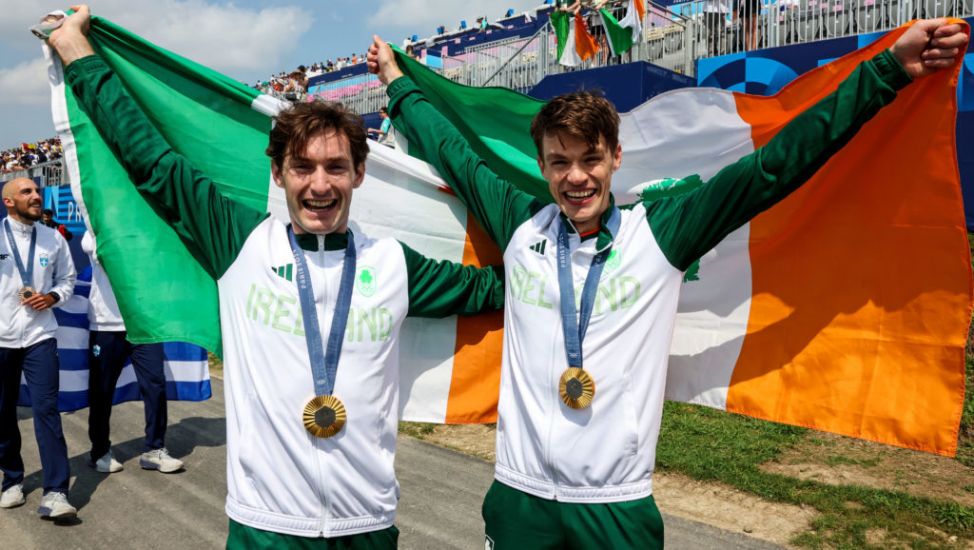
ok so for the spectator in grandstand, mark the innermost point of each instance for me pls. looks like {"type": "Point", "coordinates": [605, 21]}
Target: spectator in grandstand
{"type": "Point", "coordinates": [11, 161]}
{"type": "Point", "coordinates": [570, 6]}
{"type": "Point", "coordinates": [294, 86]}
{"type": "Point", "coordinates": [47, 218]}
{"type": "Point", "coordinates": [107, 352]}
{"type": "Point", "coordinates": [715, 20]}
{"type": "Point", "coordinates": [41, 275]}
{"type": "Point", "coordinates": [384, 133]}
{"type": "Point", "coordinates": [789, 14]}
{"type": "Point", "coordinates": [746, 13]}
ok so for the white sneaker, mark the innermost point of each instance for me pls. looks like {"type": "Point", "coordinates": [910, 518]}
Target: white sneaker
{"type": "Point", "coordinates": [159, 459]}
{"type": "Point", "coordinates": [56, 506]}
{"type": "Point", "coordinates": [106, 464]}
{"type": "Point", "coordinates": [13, 497]}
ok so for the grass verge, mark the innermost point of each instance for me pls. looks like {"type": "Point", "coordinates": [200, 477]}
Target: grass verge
{"type": "Point", "coordinates": [710, 445]}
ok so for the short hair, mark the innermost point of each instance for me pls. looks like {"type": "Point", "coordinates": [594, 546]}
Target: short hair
{"type": "Point", "coordinates": [47, 212]}
{"type": "Point", "coordinates": [582, 115]}
{"type": "Point", "coordinates": [299, 124]}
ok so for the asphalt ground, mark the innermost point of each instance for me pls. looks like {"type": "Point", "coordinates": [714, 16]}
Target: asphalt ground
{"type": "Point", "coordinates": [441, 492]}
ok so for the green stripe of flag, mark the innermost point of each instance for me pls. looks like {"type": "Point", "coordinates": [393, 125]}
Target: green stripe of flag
{"type": "Point", "coordinates": [163, 292]}
{"type": "Point", "coordinates": [496, 122]}
{"type": "Point", "coordinates": [619, 37]}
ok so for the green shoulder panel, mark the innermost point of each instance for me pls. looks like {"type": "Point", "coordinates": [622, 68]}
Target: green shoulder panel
{"type": "Point", "coordinates": [213, 227]}
{"type": "Point", "coordinates": [442, 288]}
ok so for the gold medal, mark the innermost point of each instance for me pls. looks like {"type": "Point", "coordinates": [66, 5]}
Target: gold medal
{"type": "Point", "coordinates": [324, 416]}
{"type": "Point", "coordinates": [576, 387]}
{"type": "Point", "coordinates": [26, 292]}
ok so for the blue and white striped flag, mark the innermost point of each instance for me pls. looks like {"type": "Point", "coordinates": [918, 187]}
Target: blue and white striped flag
{"type": "Point", "coordinates": [187, 371]}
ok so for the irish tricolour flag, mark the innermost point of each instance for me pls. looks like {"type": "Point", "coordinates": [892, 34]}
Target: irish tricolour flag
{"type": "Point", "coordinates": [845, 308]}
{"type": "Point", "coordinates": [622, 34]}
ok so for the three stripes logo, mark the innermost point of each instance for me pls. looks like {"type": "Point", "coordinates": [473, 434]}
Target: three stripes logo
{"type": "Point", "coordinates": [539, 247]}
{"type": "Point", "coordinates": [285, 272]}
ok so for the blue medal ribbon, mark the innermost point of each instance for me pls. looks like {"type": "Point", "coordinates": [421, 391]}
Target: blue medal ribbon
{"type": "Point", "coordinates": [324, 365]}
{"type": "Point", "coordinates": [26, 275]}
{"type": "Point", "coordinates": [574, 331]}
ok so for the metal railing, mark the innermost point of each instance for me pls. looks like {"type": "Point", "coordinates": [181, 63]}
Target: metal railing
{"type": "Point", "coordinates": [730, 26]}
{"type": "Point", "coordinates": [46, 174]}
{"type": "Point", "coordinates": [673, 37]}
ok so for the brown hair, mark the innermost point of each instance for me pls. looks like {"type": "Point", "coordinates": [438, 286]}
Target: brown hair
{"type": "Point", "coordinates": [581, 115]}
{"type": "Point", "coordinates": [297, 125]}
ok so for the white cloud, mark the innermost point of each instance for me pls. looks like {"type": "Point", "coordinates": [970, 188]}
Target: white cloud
{"type": "Point", "coordinates": [422, 16]}
{"type": "Point", "coordinates": [26, 83]}
{"type": "Point", "coordinates": [239, 41]}
{"type": "Point", "coordinates": [225, 37]}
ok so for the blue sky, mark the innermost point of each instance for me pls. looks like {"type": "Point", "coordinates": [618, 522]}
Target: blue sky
{"type": "Point", "coordinates": [245, 39]}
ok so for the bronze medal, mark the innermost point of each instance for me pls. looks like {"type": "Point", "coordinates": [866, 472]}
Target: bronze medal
{"type": "Point", "coordinates": [26, 292]}
{"type": "Point", "coordinates": [576, 388]}
{"type": "Point", "coordinates": [324, 416]}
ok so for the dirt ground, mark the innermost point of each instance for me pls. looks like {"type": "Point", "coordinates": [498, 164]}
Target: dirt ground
{"type": "Point", "coordinates": [837, 460]}
{"type": "Point", "coordinates": [677, 495]}
{"type": "Point", "coordinates": [821, 457]}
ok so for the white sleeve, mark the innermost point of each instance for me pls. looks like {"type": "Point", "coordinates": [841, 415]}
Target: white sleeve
{"type": "Point", "coordinates": [64, 275]}
{"type": "Point", "coordinates": [88, 246]}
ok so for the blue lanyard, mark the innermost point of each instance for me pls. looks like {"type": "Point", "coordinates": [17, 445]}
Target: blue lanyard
{"type": "Point", "coordinates": [324, 366]}
{"type": "Point", "coordinates": [26, 275]}
{"type": "Point", "coordinates": [575, 331]}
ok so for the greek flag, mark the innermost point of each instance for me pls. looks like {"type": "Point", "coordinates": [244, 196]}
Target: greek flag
{"type": "Point", "coordinates": [187, 371]}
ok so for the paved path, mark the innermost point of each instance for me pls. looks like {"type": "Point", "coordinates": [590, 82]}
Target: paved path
{"type": "Point", "coordinates": [133, 509]}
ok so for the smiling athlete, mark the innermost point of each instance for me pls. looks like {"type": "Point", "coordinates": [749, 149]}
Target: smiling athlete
{"type": "Point", "coordinates": [312, 409]}
{"type": "Point", "coordinates": [576, 440]}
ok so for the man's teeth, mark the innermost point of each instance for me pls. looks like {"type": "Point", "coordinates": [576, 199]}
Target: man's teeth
{"type": "Point", "coordinates": [580, 194]}
{"type": "Point", "coordinates": [319, 204]}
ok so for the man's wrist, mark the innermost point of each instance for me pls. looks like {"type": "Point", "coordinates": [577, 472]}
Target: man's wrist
{"type": "Point", "coordinates": [394, 76]}
{"type": "Point", "coordinates": [57, 298]}
{"type": "Point", "coordinates": [71, 47]}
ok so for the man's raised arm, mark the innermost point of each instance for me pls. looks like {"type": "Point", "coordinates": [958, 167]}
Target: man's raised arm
{"type": "Point", "coordinates": [193, 206]}
{"type": "Point", "coordinates": [498, 206]}
{"type": "Point", "coordinates": [689, 225]}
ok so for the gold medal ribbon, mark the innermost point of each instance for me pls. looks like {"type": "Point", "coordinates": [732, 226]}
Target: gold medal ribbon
{"type": "Point", "coordinates": [324, 415]}
{"type": "Point", "coordinates": [576, 388]}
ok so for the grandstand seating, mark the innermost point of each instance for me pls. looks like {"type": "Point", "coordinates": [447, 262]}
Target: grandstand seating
{"type": "Point", "coordinates": [518, 51]}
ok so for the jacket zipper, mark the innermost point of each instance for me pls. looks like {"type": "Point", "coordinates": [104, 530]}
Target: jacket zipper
{"type": "Point", "coordinates": [320, 252]}
{"type": "Point", "coordinates": [556, 400]}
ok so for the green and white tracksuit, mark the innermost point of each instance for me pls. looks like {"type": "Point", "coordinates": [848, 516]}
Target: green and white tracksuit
{"type": "Point", "coordinates": [606, 453]}
{"type": "Point", "coordinates": [279, 477]}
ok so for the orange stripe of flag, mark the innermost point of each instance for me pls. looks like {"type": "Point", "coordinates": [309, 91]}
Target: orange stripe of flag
{"type": "Point", "coordinates": [641, 8]}
{"type": "Point", "coordinates": [585, 44]}
{"type": "Point", "coordinates": [861, 279]}
{"type": "Point", "coordinates": [475, 384]}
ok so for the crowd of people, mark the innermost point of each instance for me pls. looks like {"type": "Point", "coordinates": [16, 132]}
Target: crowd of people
{"type": "Point", "coordinates": [294, 85]}
{"type": "Point", "coordinates": [30, 154]}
